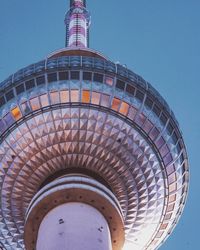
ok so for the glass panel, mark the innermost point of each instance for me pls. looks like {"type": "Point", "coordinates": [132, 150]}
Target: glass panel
{"type": "Point", "coordinates": [124, 108]}
{"type": "Point", "coordinates": [172, 198]}
{"type": "Point", "coordinates": [164, 150]}
{"type": "Point", "coordinates": [98, 77]}
{"type": "Point", "coordinates": [147, 126]}
{"type": "Point", "coordinates": [74, 96]}
{"type": "Point", "coordinates": [9, 95]}
{"type": "Point", "coordinates": [86, 96]}
{"type": "Point", "coordinates": [167, 159]}
{"type": "Point", "coordinates": [168, 216]}
{"type": "Point", "coordinates": [2, 100]}
{"type": "Point", "coordinates": [64, 96]}
{"type": "Point", "coordinates": [105, 100]}
{"type": "Point", "coordinates": [63, 75]}
{"type": "Point", "coordinates": [16, 113]}
{"type": "Point", "coordinates": [95, 98]}
{"type": "Point", "coordinates": [172, 178]}
{"type": "Point", "coordinates": [120, 84]}
{"type": "Point", "coordinates": [160, 142]}
{"type": "Point", "coordinates": [170, 169]}
{"type": "Point", "coordinates": [154, 133]}
{"type": "Point", "coordinates": [35, 104]}
{"type": "Point", "coordinates": [30, 84]}
{"type": "Point", "coordinates": [163, 226]}
{"type": "Point", "coordinates": [130, 89]}
{"type": "Point", "coordinates": [75, 75]}
{"type": "Point", "coordinates": [44, 100]}
{"type": "Point", "coordinates": [20, 89]}
{"type": "Point", "coordinates": [40, 80]}
{"type": "Point", "coordinates": [140, 119]}
{"type": "Point", "coordinates": [25, 108]}
{"type": "Point", "coordinates": [170, 208]}
{"type": "Point", "coordinates": [52, 77]}
{"type": "Point", "coordinates": [132, 112]}
{"type": "Point", "coordinates": [87, 76]}
{"type": "Point", "coordinates": [2, 126]}
{"type": "Point", "coordinates": [116, 104]}
{"type": "Point", "coordinates": [55, 97]}
{"type": "Point", "coordinates": [8, 119]}
{"type": "Point", "coordinates": [109, 80]}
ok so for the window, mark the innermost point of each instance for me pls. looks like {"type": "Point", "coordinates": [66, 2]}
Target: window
{"type": "Point", "coordinates": [44, 100]}
{"type": "Point", "coordinates": [98, 77]}
{"type": "Point", "coordinates": [2, 100]}
{"type": "Point", "coordinates": [8, 119]}
{"type": "Point", "coordinates": [20, 89]}
{"type": "Point", "coordinates": [25, 108]}
{"type": "Point", "coordinates": [149, 102]}
{"type": "Point", "coordinates": [147, 126]}
{"type": "Point", "coordinates": [2, 126]}
{"type": "Point", "coordinates": [35, 104]}
{"type": "Point", "coordinates": [140, 119]}
{"type": "Point", "coordinates": [86, 96]}
{"type": "Point", "coordinates": [172, 178]}
{"type": "Point", "coordinates": [105, 100]}
{"type": "Point", "coordinates": [130, 89]}
{"type": "Point", "coordinates": [54, 96]}
{"type": "Point", "coordinates": [115, 104]}
{"type": "Point", "coordinates": [52, 77]}
{"type": "Point", "coordinates": [154, 133]}
{"type": "Point", "coordinates": [9, 95]}
{"type": "Point", "coordinates": [64, 96]}
{"type": "Point", "coordinates": [95, 98]}
{"type": "Point", "coordinates": [120, 84]}
{"type": "Point", "coordinates": [132, 112]}
{"type": "Point", "coordinates": [109, 81]}
{"type": "Point", "coordinates": [75, 75]}
{"type": "Point", "coordinates": [30, 84]}
{"type": "Point", "coordinates": [63, 75]}
{"type": "Point", "coordinates": [124, 108]}
{"type": "Point", "coordinates": [156, 110]}
{"type": "Point", "coordinates": [163, 118]}
{"type": "Point", "coordinates": [16, 113]}
{"type": "Point", "coordinates": [172, 198]}
{"type": "Point", "coordinates": [168, 158]}
{"type": "Point", "coordinates": [139, 95]}
{"type": "Point", "coordinates": [40, 80]}
{"type": "Point", "coordinates": [87, 76]}
{"type": "Point", "coordinates": [74, 96]}
{"type": "Point", "coordinates": [172, 187]}
{"type": "Point", "coordinates": [170, 170]}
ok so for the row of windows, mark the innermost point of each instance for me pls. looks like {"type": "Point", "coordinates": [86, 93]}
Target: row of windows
{"type": "Point", "coordinates": [96, 77]}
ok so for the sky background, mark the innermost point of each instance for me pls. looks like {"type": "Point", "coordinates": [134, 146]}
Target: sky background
{"type": "Point", "coordinates": [160, 40]}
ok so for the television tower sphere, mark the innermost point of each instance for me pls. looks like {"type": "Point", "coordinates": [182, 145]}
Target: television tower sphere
{"type": "Point", "coordinates": [91, 155]}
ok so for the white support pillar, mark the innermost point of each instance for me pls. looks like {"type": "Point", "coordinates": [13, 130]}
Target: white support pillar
{"type": "Point", "coordinates": [74, 226]}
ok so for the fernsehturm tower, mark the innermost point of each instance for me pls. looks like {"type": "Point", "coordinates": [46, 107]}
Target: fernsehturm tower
{"type": "Point", "coordinates": [91, 155]}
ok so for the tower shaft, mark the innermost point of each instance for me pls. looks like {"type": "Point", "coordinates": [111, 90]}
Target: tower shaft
{"type": "Point", "coordinates": [77, 21]}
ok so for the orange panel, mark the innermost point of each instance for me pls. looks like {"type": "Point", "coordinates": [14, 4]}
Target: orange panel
{"type": "Point", "coordinates": [86, 96]}
{"type": "Point", "coordinates": [124, 108]}
{"type": "Point", "coordinates": [116, 104]}
{"type": "Point", "coordinates": [16, 113]}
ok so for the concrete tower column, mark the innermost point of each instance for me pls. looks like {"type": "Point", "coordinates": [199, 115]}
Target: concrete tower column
{"type": "Point", "coordinates": [74, 212]}
{"type": "Point", "coordinates": [74, 226]}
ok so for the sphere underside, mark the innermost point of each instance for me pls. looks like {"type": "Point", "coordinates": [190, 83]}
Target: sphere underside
{"type": "Point", "coordinates": [70, 122]}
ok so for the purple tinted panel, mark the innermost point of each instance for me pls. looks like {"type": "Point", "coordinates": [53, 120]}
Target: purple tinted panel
{"type": "Point", "coordinates": [154, 133]}
{"type": "Point", "coordinates": [160, 142]}
{"type": "Point", "coordinates": [147, 126]}
{"type": "Point", "coordinates": [140, 119]}
{"type": "Point", "coordinates": [167, 159]}
{"type": "Point", "coordinates": [105, 100]}
{"type": "Point", "coordinates": [9, 119]}
{"type": "Point", "coordinates": [164, 150]}
{"type": "Point", "coordinates": [132, 112]}
{"type": "Point", "coordinates": [2, 126]}
{"type": "Point", "coordinates": [170, 169]}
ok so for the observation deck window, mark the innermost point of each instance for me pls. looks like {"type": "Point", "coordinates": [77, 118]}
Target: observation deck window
{"type": "Point", "coordinates": [44, 100]}
{"type": "Point", "coordinates": [30, 84]}
{"type": "Point", "coordinates": [95, 98]}
{"type": "Point", "coordinates": [139, 95]}
{"type": "Point", "coordinates": [16, 113]}
{"type": "Point", "coordinates": [124, 108]}
{"type": "Point", "coordinates": [64, 96]}
{"type": "Point", "coordinates": [75, 75]}
{"type": "Point", "coordinates": [86, 96]}
{"type": "Point", "coordinates": [35, 104]}
{"type": "Point", "coordinates": [52, 77]}
{"type": "Point", "coordinates": [109, 81]}
{"type": "Point", "coordinates": [120, 84]}
{"type": "Point", "coordinates": [55, 99]}
{"type": "Point", "coordinates": [105, 100]}
{"type": "Point", "coordinates": [87, 76]}
{"type": "Point", "coordinates": [74, 95]}
{"type": "Point", "coordinates": [25, 108]}
{"type": "Point", "coordinates": [20, 89]}
{"type": "Point", "coordinates": [64, 75]}
{"type": "Point", "coordinates": [9, 95]}
{"type": "Point", "coordinates": [130, 89]}
{"type": "Point", "coordinates": [40, 80]}
{"type": "Point", "coordinates": [116, 104]}
{"type": "Point", "coordinates": [149, 102]}
{"type": "Point", "coordinates": [98, 77]}
{"type": "Point", "coordinates": [2, 101]}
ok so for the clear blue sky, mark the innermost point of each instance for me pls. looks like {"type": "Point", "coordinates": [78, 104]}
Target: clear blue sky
{"type": "Point", "coordinates": [158, 39]}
